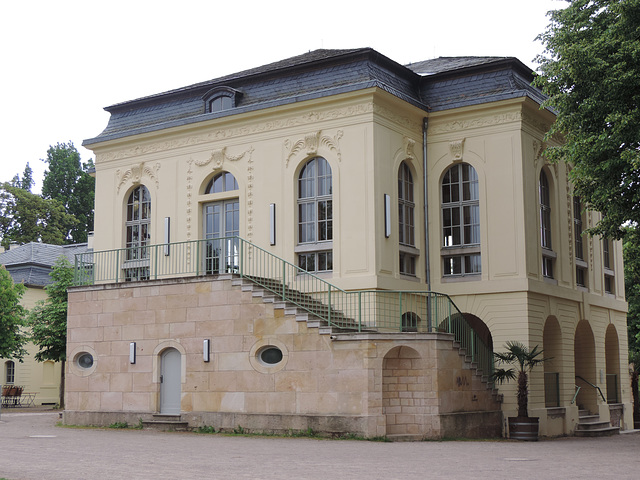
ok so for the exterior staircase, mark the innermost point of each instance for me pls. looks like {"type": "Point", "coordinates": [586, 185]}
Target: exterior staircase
{"type": "Point", "coordinates": [591, 426]}
{"type": "Point", "coordinates": [266, 293]}
{"type": "Point", "coordinates": [303, 306]}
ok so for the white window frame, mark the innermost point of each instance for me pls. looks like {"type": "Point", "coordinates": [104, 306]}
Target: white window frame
{"type": "Point", "coordinates": [460, 256]}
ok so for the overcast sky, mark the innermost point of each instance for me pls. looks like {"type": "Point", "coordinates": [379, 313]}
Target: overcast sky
{"type": "Point", "coordinates": [63, 61]}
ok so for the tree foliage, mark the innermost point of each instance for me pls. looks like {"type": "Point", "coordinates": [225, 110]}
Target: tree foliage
{"type": "Point", "coordinates": [12, 317]}
{"type": "Point", "coordinates": [67, 181]}
{"type": "Point", "coordinates": [27, 217]}
{"type": "Point", "coordinates": [590, 70]}
{"type": "Point", "coordinates": [48, 319]}
{"type": "Point", "coordinates": [631, 253]}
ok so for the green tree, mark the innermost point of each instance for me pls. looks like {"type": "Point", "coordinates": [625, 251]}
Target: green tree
{"type": "Point", "coordinates": [26, 217]}
{"type": "Point", "coordinates": [48, 319]}
{"type": "Point", "coordinates": [26, 182]}
{"type": "Point", "coordinates": [631, 254]}
{"type": "Point", "coordinates": [590, 70]}
{"type": "Point", "coordinates": [68, 181]}
{"type": "Point", "coordinates": [12, 317]}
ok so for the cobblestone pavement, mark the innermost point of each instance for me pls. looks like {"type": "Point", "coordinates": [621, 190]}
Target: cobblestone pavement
{"type": "Point", "coordinates": [32, 447]}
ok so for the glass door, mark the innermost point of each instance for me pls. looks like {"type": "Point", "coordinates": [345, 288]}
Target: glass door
{"type": "Point", "coordinates": [221, 230]}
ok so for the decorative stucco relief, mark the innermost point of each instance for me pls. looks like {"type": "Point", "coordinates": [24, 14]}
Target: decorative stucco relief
{"type": "Point", "coordinates": [311, 143]}
{"type": "Point", "coordinates": [247, 129]}
{"type": "Point", "coordinates": [572, 232]}
{"type": "Point", "coordinates": [488, 121]}
{"type": "Point", "coordinates": [456, 149]}
{"type": "Point", "coordinates": [401, 120]}
{"type": "Point", "coordinates": [219, 156]}
{"type": "Point", "coordinates": [409, 146]}
{"type": "Point", "coordinates": [134, 174]}
{"type": "Point", "coordinates": [535, 122]}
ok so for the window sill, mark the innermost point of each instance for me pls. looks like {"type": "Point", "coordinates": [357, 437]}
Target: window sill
{"type": "Point", "coordinates": [550, 281]}
{"type": "Point", "coordinates": [313, 247]}
{"type": "Point", "coordinates": [411, 250]}
{"type": "Point", "coordinates": [549, 253]}
{"type": "Point", "coordinates": [469, 277]}
{"type": "Point", "coordinates": [459, 250]}
{"type": "Point", "coordinates": [581, 263]}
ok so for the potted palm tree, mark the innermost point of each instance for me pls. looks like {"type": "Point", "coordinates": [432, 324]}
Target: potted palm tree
{"type": "Point", "coordinates": [517, 354]}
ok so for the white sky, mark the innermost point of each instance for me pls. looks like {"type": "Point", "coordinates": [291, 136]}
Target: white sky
{"type": "Point", "coordinates": [63, 61]}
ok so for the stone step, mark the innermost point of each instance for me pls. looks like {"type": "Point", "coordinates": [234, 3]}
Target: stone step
{"type": "Point", "coordinates": [166, 423]}
{"type": "Point", "coordinates": [598, 432]}
{"type": "Point", "coordinates": [592, 425]}
{"type": "Point", "coordinates": [405, 438]}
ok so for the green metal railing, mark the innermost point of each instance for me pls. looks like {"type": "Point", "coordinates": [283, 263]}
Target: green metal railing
{"type": "Point", "coordinates": [363, 310]}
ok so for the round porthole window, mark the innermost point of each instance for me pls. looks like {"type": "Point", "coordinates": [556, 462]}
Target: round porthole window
{"type": "Point", "coordinates": [270, 355]}
{"type": "Point", "coordinates": [84, 360]}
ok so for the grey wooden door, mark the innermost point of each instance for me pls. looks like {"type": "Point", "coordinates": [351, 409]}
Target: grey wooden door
{"type": "Point", "coordinates": [170, 385]}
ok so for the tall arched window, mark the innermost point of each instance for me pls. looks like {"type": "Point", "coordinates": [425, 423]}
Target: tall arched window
{"type": "Point", "coordinates": [460, 221]}
{"type": "Point", "coordinates": [578, 222]}
{"type": "Point", "coordinates": [138, 233]}
{"type": "Point", "coordinates": [315, 216]}
{"type": "Point", "coordinates": [545, 226]}
{"type": "Point", "coordinates": [406, 225]}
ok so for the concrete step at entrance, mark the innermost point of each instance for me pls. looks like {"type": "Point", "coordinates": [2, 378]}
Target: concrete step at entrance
{"type": "Point", "coordinates": [405, 438]}
{"type": "Point", "coordinates": [591, 426]}
{"type": "Point", "coordinates": [166, 423]}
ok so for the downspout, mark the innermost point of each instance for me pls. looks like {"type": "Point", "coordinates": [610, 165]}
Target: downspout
{"type": "Point", "coordinates": [425, 125]}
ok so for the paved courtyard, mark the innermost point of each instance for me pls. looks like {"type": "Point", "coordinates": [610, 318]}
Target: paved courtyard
{"type": "Point", "coordinates": [32, 447]}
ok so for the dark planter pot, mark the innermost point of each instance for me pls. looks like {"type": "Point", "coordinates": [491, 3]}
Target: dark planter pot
{"type": "Point", "coordinates": [524, 428]}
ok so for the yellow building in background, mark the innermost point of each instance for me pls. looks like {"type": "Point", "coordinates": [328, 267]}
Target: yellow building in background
{"type": "Point", "coordinates": [31, 264]}
{"type": "Point", "coordinates": [269, 245]}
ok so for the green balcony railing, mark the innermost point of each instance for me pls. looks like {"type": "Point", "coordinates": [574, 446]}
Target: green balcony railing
{"type": "Point", "coordinates": [362, 310]}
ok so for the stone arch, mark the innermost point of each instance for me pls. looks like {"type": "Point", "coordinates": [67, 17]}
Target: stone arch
{"type": "Point", "coordinates": [584, 351]}
{"type": "Point", "coordinates": [403, 391]}
{"type": "Point", "coordinates": [552, 347]}
{"type": "Point", "coordinates": [612, 359]}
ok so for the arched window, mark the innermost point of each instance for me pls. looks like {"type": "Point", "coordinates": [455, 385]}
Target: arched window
{"type": "Point", "coordinates": [315, 216]}
{"type": "Point", "coordinates": [460, 221]}
{"type": "Point", "coordinates": [406, 225]}
{"type": "Point", "coordinates": [220, 98]}
{"type": "Point", "coordinates": [9, 371]}
{"type": "Point", "coordinates": [138, 233]}
{"type": "Point", "coordinates": [545, 226]}
{"type": "Point", "coordinates": [222, 182]}
{"type": "Point", "coordinates": [410, 322]}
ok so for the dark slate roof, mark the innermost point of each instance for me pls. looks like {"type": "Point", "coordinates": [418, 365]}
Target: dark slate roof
{"type": "Point", "coordinates": [31, 263]}
{"type": "Point", "coordinates": [436, 84]}
{"type": "Point", "coordinates": [448, 64]}
{"type": "Point", "coordinates": [452, 82]}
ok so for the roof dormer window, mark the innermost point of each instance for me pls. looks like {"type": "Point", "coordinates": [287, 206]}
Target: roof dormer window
{"type": "Point", "coordinates": [220, 98]}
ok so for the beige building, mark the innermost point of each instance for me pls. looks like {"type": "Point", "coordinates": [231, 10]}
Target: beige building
{"type": "Point", "coordinates": [269, 242]}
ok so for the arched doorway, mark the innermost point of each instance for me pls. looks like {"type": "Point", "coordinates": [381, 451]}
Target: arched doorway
{"type": "Point", "coordinates": [552, 347]}
{"type": "Point", "coordinates": [170, 381]}
{"type": "Point", "coordinates": [612, 359]}
{"type": "Point", "coordinates": [584, 351]}
{"type": "Point", "coordinates": [402, 402]}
